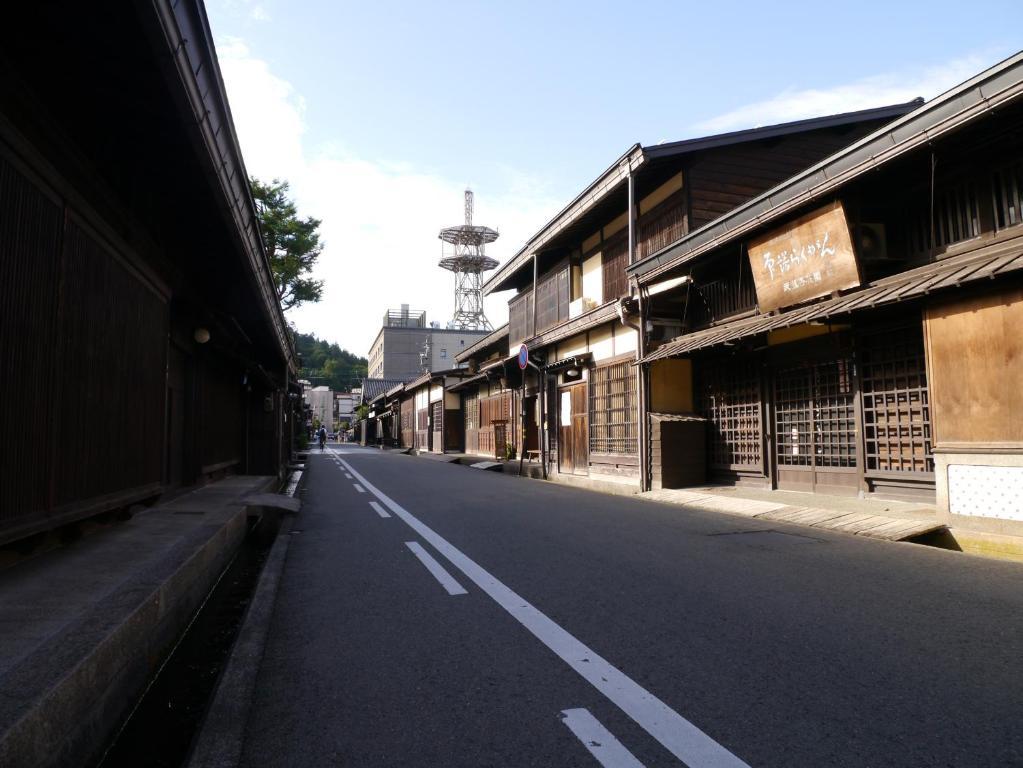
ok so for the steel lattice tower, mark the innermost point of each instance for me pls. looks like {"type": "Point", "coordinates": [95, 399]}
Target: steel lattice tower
{"type": "Point", "coordinates": [463, 252]}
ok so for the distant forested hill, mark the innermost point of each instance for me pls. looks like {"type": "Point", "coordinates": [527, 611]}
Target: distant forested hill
{"type": "Point", "coordinates": [326, 363]}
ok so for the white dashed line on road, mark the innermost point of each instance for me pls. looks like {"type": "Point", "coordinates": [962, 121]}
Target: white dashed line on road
{"type": "Point", "coordinates": [446, 579]}
{"type": "Point", "coordinates": [608, 751]}
{"type": "Point", "coordinates": [359, 488]}
{"type": "Point", "coordinates": [348, 476]}
{"type": "Point", "coordinates": [379, 510]}
{"type": "Point", "coordinates": [679, 736]}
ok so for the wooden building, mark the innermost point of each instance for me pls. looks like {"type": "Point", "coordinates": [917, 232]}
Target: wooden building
{"type": "Point", "coordinates": [492, 401]}
{"type": "Point", "coordinates": [381, 426]}
{"type": "Point", "coordinates": [142, 347]}
{"type": "Point", "coordinates": [430, 415]}
{"type": "Point", "coordinates": [856, 329]}
{"type": "Point", "coordinates": [572, 304]}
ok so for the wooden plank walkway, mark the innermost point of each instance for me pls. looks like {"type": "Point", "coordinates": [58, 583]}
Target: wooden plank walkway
{"type": "Point", "coordinates": [843, 521]}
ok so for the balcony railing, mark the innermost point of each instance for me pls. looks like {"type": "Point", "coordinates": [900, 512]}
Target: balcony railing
{"type": "Point", "coordinates": [404, 318]}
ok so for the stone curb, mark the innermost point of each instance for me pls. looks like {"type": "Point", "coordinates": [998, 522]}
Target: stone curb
{"type": "Point", "coordinates": [61, 701]}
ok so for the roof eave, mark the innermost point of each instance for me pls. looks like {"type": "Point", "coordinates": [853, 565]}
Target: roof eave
{"type": "Point", "coordinates": [780, 129]}
{"type": "Point", "coordinates": [638, 154]}
{"type": "Point", "coordinates": [607, 182]}
{"type": "Point", "coordinates": [483, 343]}
{"type": "Point", "coordinates": [923, 125]}
{"type": "Point", "coordinates": [186, 30]}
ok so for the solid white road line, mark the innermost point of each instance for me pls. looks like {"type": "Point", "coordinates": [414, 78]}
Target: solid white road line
{"type": "Point", "coordinates": [359, 488]}
{"type": "Point", "coordinates": [380, 510]}
{"type": "Point", "coordinates": [679, 736]}
{"type": "Point", "coordinates": [609, 752]}
{"type": "Point", "coordinates": [446, 579]}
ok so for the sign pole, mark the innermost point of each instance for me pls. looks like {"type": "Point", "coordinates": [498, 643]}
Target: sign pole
{"type": "Point", "coordinates": [522, 418]}
{"type": "Point", "coordinates": [541, 427]}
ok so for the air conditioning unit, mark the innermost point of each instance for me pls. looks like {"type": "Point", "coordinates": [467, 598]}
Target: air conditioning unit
{"type": "Point", "coordinates": [871, 242]}
{"type": "Point", "coordinates": [581, 306]}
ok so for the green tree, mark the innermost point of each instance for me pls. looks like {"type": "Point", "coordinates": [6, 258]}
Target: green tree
{"type": "Point", "coordinates": [293, 244]}
{"type": "Point", "coordinates": [326, 363]}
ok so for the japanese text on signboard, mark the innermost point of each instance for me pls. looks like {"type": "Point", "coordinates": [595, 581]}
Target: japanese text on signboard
{"type": "Point", "coordinates": [812, 257]}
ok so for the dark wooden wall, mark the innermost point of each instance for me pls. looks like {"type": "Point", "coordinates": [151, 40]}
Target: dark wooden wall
{"type": "Point", "coordinates": [221, 417]}
{"type": "Point", "coordinates": [83, 344]}
{"type": "Point", "coordinates": [721, 179]}
{"type": "Point", "coordinates": [408, 422]}
{"type": "Point", "coordinates": [975, 361]}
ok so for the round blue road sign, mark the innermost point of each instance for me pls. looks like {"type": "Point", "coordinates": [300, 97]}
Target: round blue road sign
{"type": "Point", "coordinates": [523, 357]}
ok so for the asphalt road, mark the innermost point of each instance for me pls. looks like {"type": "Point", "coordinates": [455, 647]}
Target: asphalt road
{"type": "Point", "coordinates": [669, 637]}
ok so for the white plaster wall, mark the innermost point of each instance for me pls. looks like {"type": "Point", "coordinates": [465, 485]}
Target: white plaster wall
{"type": "Point", "coordinates": [980, 490]}
{"type": "Point", "coordinates": [593, 279]}
{"type": "Point", "coordinates": [573, 346]}
{"type": "Point", "coordinates": [602, 343]}
{"type": "Point", "coordinates": [626, 340]}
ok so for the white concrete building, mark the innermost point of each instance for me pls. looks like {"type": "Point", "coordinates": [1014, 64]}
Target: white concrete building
{"type": "Point", "coordinates": [344, 406]}
{"type": "Point", "coordinates": [321, 402]}
{"type": "Point", "coordinates": [406, 346]}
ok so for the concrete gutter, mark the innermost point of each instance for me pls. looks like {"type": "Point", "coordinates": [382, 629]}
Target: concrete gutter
{"type": "Point", "coordinates": [86, 627]}
{"type": "Point", "coordinates": [221, 737]}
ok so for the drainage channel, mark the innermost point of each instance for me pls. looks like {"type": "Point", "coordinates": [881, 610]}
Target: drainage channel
{"type": "Point", "coordinates": [159, 731]}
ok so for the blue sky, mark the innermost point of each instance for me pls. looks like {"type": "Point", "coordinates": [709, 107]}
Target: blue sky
{"type": "Point", "coordinates": [380, 113]}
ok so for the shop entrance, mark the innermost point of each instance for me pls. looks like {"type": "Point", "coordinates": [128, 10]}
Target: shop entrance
{"type": "Point", "coordinates": [815, 437]}
{"type": "Point", "coordinates": [573, 430]}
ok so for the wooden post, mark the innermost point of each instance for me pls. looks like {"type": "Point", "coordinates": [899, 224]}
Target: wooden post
{"type": "Point", "coordinates": [642, 380]}
{"type": "Point", "coordinates": [532, 330]}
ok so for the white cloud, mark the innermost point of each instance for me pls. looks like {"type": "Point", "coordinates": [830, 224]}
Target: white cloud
{"type": "Point", "coordinates": [868, 92]}
{"type": "Point", "coordinates": [252, 10]}
{"type": "Point", "coordinates": [380, 217]}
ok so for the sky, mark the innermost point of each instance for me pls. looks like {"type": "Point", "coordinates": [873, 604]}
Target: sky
{"type": "Point", "coordinates": [379, 115]}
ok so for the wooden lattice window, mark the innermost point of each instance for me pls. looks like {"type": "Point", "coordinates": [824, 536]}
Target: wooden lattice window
{"type": "Point", "coordinates": [520, 317]}
{"type": "Point", "coordinates": [729, 398]}
{"type": "Point", "coordinates": [896, 402]}
{"type": "Point", "coordinates": [613, 417]}
{"type": "Point", "coordinates": [1007, 192]}
{"type": "Point", "coordinates": [956, 218]}
{"type": "Point", "coordinates": [472, 411]}
{"type": "Point", "coordinates": [721, 289]}
{"type": "Point", "coordinates": [552, 300]}
{"type": "Point", "coordinates": [662, 227]}
{"type": "Point", "coordinates": [815, 415]}
{"type": "Point", "coordinates": [495, 408]}
{"type": "Point", "coordinates": [612, 266]}
{"type": "Point", "coordinates": [834, 415]}
{"type": "Point", "coordinates": [793, 407]}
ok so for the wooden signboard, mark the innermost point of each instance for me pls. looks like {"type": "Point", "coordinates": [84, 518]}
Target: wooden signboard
{"type": "Point", "coordinates": [813, 256]}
